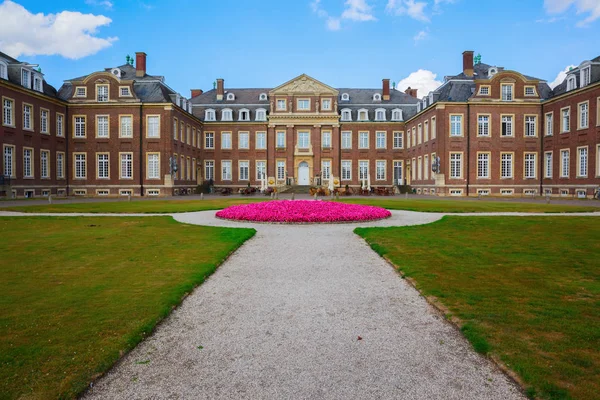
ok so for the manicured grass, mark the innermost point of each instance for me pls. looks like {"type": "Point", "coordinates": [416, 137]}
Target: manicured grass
{"type": "Point", "coordinates": [397, 203]}
{"type": "Point", "coordinates": [138, 207]}
{"type": "Point", "coordinates": [526, 290]}
{"type": "Point", "coordinates": [467, 206]}
{"type": "Point", "coordinates": [79, 292]}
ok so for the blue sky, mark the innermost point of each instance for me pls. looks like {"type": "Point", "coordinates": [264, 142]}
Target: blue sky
{"type": "Point", "coordinates": [344, 43]}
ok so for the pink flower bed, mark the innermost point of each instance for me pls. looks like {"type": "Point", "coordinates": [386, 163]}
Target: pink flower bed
{"type": "Point", "coordinates": [303, 211]}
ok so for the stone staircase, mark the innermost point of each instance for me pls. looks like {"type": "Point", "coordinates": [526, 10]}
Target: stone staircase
{"type": "Point", "coordinates": [298, 189]}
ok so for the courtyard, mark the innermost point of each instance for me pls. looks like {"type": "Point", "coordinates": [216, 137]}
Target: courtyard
{"type": "Point", "coordinates": [106, 305]}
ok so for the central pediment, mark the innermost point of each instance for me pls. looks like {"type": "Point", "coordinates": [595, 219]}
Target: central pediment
{"type": "Point", "coordinates": [304, 84]}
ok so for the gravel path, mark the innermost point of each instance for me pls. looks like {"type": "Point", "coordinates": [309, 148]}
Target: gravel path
{"type": "Point", "coordinates": [282, 317]}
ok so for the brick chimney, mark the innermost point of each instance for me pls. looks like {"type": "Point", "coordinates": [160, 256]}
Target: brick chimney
{"type": "Point", "coordinates": [220, 88]}
{"type": "Point", "coordinates": [468, 63]}
{"type": "Point", "coordinates": [386, 89]}
{"type": "Point", "coordinates": [196, 92]}
{"type": "Point", "coordinates": [140, 64]}
{"type": "Point", "coordinates": [411, 92]}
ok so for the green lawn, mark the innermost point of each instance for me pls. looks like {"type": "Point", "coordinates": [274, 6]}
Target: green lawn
{"type": "Point", "coordinates": [525, 290]}
{"type": "Point", "coordinates": [79, 292]}
{"type": "Point", "coordinates": [398, 203]}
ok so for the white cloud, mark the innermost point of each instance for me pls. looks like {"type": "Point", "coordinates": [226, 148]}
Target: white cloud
{"type": "Point", "coordinates": [358, 10]}
{"type": "Point", "coordinates": [101, 3]}
{"type": "Point", "coordinates": [591, 7]}
{"type": "Point", "coordinates": [354, 10]}
{"type": "Point", "coordinates": [423, 80]}
{"type": "Point", "coordinates": [560, 77]}
{"type": "Point", "coordinates": [411, 8]}
{"type": "Point", "coordinates": [422, 35]}
{"type": "Point", "coordinates": [69, 34]}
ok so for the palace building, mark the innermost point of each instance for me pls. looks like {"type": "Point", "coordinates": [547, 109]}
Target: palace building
{"type": "Point", "coordinates": [121, 131]}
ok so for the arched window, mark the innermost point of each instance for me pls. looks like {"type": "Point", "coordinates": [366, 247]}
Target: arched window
{"type": "Point", "coordinates": [209, 115]}
{"type": "Point", "coordinates": [261, 114]}
{"type": "Point", "coordinates": [244, 115]}
{"type": "Point", "coordinates": [396, 114]}
{"type": "Point", "coordinates": [3, 70]}
{"type": "Point", "coordinates": [346, 114]}
{"type": "Point", "coordinates": [380, 114]}
{"type": "Point", "coordinates": [571, 82]}
{"type": "Point", "coordinates": [226, 114]}
{"type": "Point", "coordinates": [363, 114]}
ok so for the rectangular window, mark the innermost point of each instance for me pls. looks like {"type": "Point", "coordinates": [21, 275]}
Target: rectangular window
{"type": "Point", "coordinates": [484, 90]}
{"type": "Point", "coordinates": [8, 116]}
{"type": "Point", "coordinates": [566, 120]}
{"type": "Point", "coordinates": [363, 170]}
{"type": "Point", "coordinates": [363, 140]}
{"type": "Point", "coordinates": [530, 126]}
{"type": "Point", "coordinates": [529, 91]}
{"type": "Point", "coordinates": [455, 165]}
{"type": "Point", "coordinates": [548, 164]}
{"type": "Point", "coordinates": [281, 105]}
{"type": "Point", "coordinates": [27, 163]}
{"type": "Point", "coordinates": [261, 170]}
{"type": "Point", "coordinates": [188, 135]}
{"type": "Point", "coordinates": [326, 140]}
{"type": "Point", "coordinates": [326, 104]}
{"type": "Point", "coordinates": [280, 170]}
{"type": "Point", "coordinates": [209, 140]}
{"type": "Point", "coordinates": [564, 163]}
{"type": "Point", "coordinates": [549, 124]}
{"type": "Point", "coordinates": [483, 165]}
{"type": "Point", "coordinates": [79, 131]}
{"type": "Point", "coordinates": [175, 128]}
{"type": "Point", "coordinates": [507, 125]}
{"type": "Point", "coordinates": [261, 140]}
{"type": "Point", "coordinates": [9, 161]}
{"type": "Point", "coordinates": [346, 170]}
{"type": "Point", "coordinates": [182, 168]}
{"type": "Point", "coordinates": [80, 165]}
{"type": "Point", "coordinates": [426, 133]}
{"type": "Point", "coordinates": [425, 167]}
{"type": "Point", "coordinates": [125, 91]}
{"type": "Point", "coordinates": [420, 134]}
{"type": "Point", "coordinates": [153, 161]}
{"type": "Point", "coordinates": [126, 166]}
{"type": "Point", "coordinates": [586, 76]}
{"type": "Point", "coordinates": [102, 126]}
{"type": "Point", "coordinates": [244, 167]}
{"type": "Point", "coordinates": [226, 140]}
{"type": "Point", "coordinates": [45, 164]}
{"type": "Point", "coordinates": [60, 165]}
{"type": "Point", "coordinates": [530, 165]}
{"type": "Point", "coordinates": [398, 142]}
{"type": "Point", "coordinates": [102, 93]}
{"type": "Point", "coordinates": [380, 140]}
{"type": "Point", "coordinates": [419, 168]}
{"type": "Point", "coordinates": [507, 92]}
{"type": "Point", "coordinates": [583, 115]}
{"type": "Point", "coordinates": [44, 120]}
{"type": "Point", "coordinates": [326, 169]}
{"type": "Point", "coordinates": [346, 140]}
{"type": "Point", "coordinates": [153, 126]}
{"type": "Point", "coordinates": [582, 162]}
{"type": "Point", "coordinates": [414, 136]}
{"type": "Point", "coordinates": [380, 170]}
{"type": "Point", "coordinates": [182, 132]}
{"type": "Point", "coordinates": [194, 137]}
{"type": "Point", "coordinates": [226, 170]}
{"type": "Point", "coordinates": [80, 92]}
{"type": "Point", "coordinates": [280, 140]}
{"type": "Point", "coordinates": [25, 78]}
{"type": "Point", "coordinates": [125, 126]}
{"type": "Point", "coordinates": [243, 140]}
{"type": "Point", "coordinates": [506, 165]}
{"type": "Point", "coordinates": [433, 128]}
{"type": "Point", "coordinates": [209, 170]}
{"type": "Point", "coordinates": [60, 123]}
{"type": "Point", "coordinates": [455, 125]}
{"type": "Point", "coordinates": [102, 166]}
{"type": "Point", "coordinates": [193, 169]}
{"type": "Point", "coordinates": [483, 125]}
{"type": "Point", "coordinates": [303, 104]}
{"type": "Point", "coordinates": [303, 140]}
{"type": "Point", "coordinates": [27, 112]}
{"type": "Point", "coordinates": [398, 173]}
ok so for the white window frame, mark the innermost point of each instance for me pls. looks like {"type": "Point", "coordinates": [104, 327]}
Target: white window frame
{"type": "Point", "coordinates": [483, 125]}
{"type": "Point", "coordinates": [126, 165]}
{"type": "Point", "coordinates": [210, 115]}
{"type": "Point", "coordinates": [398, 140]}
{"type": "Point", "coordinates": [362, 112]}
{"type": "Point", "coordinates": [261, 140]}
{"type": "Point", "coordinates": [261, 114]}
{"type": "Point", "coordinates": [243, 170]}
{"type": "Point", "coordinates": [326, 139]}
{"type": "Point", "coordinates": [530, 126]}
{"type": "Point", "coordinates": [346, 171]}
{"type": "Point", "coordinates": [456, 165]}
{"type": "Point", "coordinates": [381, 140]}
{"type": "Point", "coordinates": [507, 170]}
{"type": "Point", "coordinates": [380, 114]}
{"type": "Point", "coordinates": [102, 126]}
{"type": "Point", "coordinates": [280, 137]}
{"type": "Point", "coordinates": [582, 161]}
{"type": "Point", "coordinates": [548, 166]}
{"type": "Point", "coordinates": [244, 114]}
{"type": "Point", "coordinates": [397, 114]}
{"type": "Point", "coordinates": [507, 95]}
{"type": "Point", "coordinates": [483, 165]}
{"type": "Point", "coordinates": [102, 165]}
{"type": "Point", "coordinates": [153, 126]}
{"type": "Point", "coordinates": [507, 125]}
{"type": "Point", "coordinates": [549, 125]}
{"type": "Point", "coordinates": [227, 114]}
{"type": "Point", "coordinates": [456, 125]}
{"type": "Point", "coordinates": [583, 115]}
{"type": "Point", "coordinates": [529, 165]}
{"type": "Point", "coordinates": [346, 141]}
{"type": "Point", "coordinates": [363, 139]}
{"type": "Point", "coordinates": [380, 170]}
{"type": "Point", "coordinates": [152, 165]}
{"type": "Point", "coordinates": [102, 97]}
{"type": "Point", "coordinates": [565, 119]}
{"type": "Point", "coordinates": [565, 163]}
{"type": "Point", "coordinates": [226, 172]}
{"type": "Point", "coordinates": [244, 140]}
{"type": "Point", "coordinates": [226, 141]}
{"type": "Point", "coordinates": [346, 115]}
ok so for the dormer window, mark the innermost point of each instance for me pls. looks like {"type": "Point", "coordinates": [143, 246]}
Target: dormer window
{"type": "Point", "coordinates": [492, 71]}
{"type": "Point", "coordinates": [397, 115]}
{"type": "Point", "coordinates": [419, 107]}
{"type": "Point", "coordinates": [3, 70]}
{"type": "Point", "coordinates": [125, 92]}
{"type": "Point", "coordinates": [25, 78]}
{"type": "Point", "coordinates": [37, 84]}
{"type": "Point", "coordinates": [230, 96]}
{"type": "Point", "coordinates": [380, 114]}
{"type": "Point", "coordinates": [345, 97]}
{"type": "Point", "coordinates": [363, 115]}
{"type": "Point", "coordinates": [424, 103]}
{"type": "Point", "coordinates": [507, 92]}
{"type": "Point", "coordinates": [262, 97]}
{"type": "Point", "coordinates": [571, 83]}
{"type": "Point", "coordinates": [116, 72]}
{"type": "Point", "coordinates": [209, 115]}
{"type": "Point", "coordinates": [484, 90]}
{"type": "Point", "coordinates": [376, 97]}
{"type": "Point", "coordinates": [430, 98]}
{"type": "Point", "coordinates": [227, 115]}
{"type": "Point", "coordinates": [244, 115]}
{"type": "Point", "coordinates": [80, 91]}
{"type": "Point", "coordinates": [529, 90]}
{"type": "Point", "coordinates": [346, 115]}
{"type": "Point", "coordinates": [586, 76]}
{"type": "Point", "coordinates": [102, 93]}
{"type": "Point", "coordinates": [261, 114]}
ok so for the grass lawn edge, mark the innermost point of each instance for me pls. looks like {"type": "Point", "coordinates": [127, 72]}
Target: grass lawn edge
{"type": "Point", "coordinates": [144, 332]}
{"type": "Point", "coordinates": [449, 318]}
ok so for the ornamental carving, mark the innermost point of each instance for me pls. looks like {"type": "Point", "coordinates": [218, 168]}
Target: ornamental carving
{"type": "Point", "coordinates": [304, 84]}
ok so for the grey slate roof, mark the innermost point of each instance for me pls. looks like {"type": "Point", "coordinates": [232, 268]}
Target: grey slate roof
{"type": "Point", "coordinates": [365, 96]}
{"type": "Point", "coordinates": [242, 96]}
{"type": "Point", "coordinates": [14, 75]}
{"type": "Point", "coordinates": [562, 87]}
